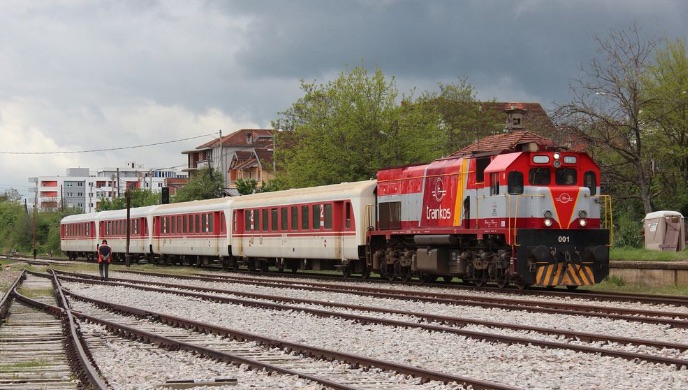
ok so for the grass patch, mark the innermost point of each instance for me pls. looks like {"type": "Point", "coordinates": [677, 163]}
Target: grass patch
{"type": "Point", "coordinates": [639, 254]}
{"type": "Point", "coordinates": [621, 287]}
{"type": "Point", "coordinates": [35, 292]}
{"type": "Point", "coordinates": [28, 364]}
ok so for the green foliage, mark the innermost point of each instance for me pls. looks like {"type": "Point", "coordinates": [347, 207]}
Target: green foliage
{"type": "Point", "coordinates": [628, 230]}
{"type": "Point", "coordinates": [206, 183]}
{"type": "Point", "coordinates": [349, 128]}
{"type": "Point", "coordinates": [463, 119]}
{"type": "Point", "coordinates": [250, 186]}
{"type": "Point", "coordinates": [246, 186]}
{"type": "Point", "coordinates": [642, 254]}
{"type": "Point", "coordinates": [11, 195]}
{"type": "Point", "coordinates": [139, 198]}
{"type": "Point", "coordinates": [616, 281]}
{"type": "Point", "coordinates": [666, 118]}
{"type": "Point", "coordinates": [20, 230]}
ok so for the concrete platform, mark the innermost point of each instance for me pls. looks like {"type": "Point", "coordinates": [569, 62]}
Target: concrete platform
{"type": "Point", "coordinates": [651, 274]}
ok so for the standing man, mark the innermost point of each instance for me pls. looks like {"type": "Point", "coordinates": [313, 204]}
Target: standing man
{"type": "Point", "coordinates": [104, 253]}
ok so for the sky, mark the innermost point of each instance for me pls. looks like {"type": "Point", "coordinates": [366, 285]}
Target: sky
{"type": "Point", "coordinates": [94, 84]}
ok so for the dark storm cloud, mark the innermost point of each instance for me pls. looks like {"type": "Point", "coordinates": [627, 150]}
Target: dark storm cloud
{"type": "Point", "coordinates": [81, 74]}
{"type": "Point", "coordinates": [537, 44]}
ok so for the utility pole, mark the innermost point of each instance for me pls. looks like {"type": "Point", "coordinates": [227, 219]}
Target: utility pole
{"type": "Point", "coordinates": [127, 257]}
{"type": "Point", "coordinates": [222, 163]}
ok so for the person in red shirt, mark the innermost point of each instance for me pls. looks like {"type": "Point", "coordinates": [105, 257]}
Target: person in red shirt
{"type": "Point", "coordinates": [104, 255]}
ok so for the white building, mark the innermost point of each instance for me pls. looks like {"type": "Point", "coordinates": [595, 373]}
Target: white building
{"type": "Point", "coordinates": [84, 189]}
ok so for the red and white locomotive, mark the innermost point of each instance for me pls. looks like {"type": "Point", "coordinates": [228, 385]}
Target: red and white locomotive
{"type": "Point", "coordinates": [512, 208]}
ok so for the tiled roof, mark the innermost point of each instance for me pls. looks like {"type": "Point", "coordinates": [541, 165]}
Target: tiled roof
{"type": "Point", "coordinates": [505, 142]}
{"type": "Point", "coordinates": [239, 138]}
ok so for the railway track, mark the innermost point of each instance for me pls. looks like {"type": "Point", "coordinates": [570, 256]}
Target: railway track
{"type": "Point", "coordinates": [327, 368]}
{"type": "Point", "coordinates": [663, 317]}
{"type": "Point", "coordinates": [38, 345]}
{"type": "Point", "coordinates": [655, 351]}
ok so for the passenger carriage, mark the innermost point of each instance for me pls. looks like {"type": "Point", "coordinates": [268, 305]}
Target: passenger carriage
{"type": "Point", "coordinates": [317, 227]}
{"type": "Point", "coordinates": [112, 226]}
{"type": "Point", "coordinates": [78, 236]}
{"type": "Point", "coordinates": [192, 232]}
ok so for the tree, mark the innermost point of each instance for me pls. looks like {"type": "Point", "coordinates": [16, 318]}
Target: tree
{"type": "Point", "coordinates": [348, 128]}
{"type": "Point", "coordinates": [11, 195]}
{"type": "Point", "coordinates": [139, 198]}
{"type": "Point", "coordinates": [206, 183]}
{"type": "Point", "coordinates": [250, 186]}
{"type": "Point", "coordinates": [606, 112]}
{"type": "Point", "coordinates": [667, 118]}
{"type": "Point", "coordinates": [463, 119]}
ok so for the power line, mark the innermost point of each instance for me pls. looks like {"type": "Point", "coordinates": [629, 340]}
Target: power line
{"type": "Point", "coordinates": [109, 149]}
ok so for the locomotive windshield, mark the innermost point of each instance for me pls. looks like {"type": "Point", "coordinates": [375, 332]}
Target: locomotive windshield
{"type": "Point", "coordinates": [565, 176]}
{"type": "Point", "coordinates": [539, 176]}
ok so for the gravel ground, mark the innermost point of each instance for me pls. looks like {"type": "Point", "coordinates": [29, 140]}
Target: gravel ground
{"type": "Point", "coordinates": [515, 365]}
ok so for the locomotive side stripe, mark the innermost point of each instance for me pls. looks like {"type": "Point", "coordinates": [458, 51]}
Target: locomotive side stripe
{"type": "Point", "coordinates": [462, 182]}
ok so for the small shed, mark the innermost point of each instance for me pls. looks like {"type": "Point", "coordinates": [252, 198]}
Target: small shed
{"type": "Point", "coordinates": [665, 231]}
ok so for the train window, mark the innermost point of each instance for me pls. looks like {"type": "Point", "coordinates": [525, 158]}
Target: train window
{"type": "Point", "coordinates": [480, 165]}
{"type": "Point", "coordinates": [266, 219]}
{"type": "Point", "coordinates": [294, 218]}
{"type": "Point", "coordinates": [565, 176]}
{"type": "Point", "coordinates": [197, 223]}
{"type": "Point", "coordinates": [256, 219]}
{"type": "Point", "coordinates": [494, 183]}
{"type": "Point", "coordinates": [185, 221]}
{"type": "Point", "coordinates": [274, 215]}
{"type": "Point", "coordinates": [180, 220]}
{"type": "Point", "coordinates": [328, 216]}
{"type": "Point", "coordinates": [539, 176]}
{"type": "Point", "coordinates": [347, 217]}
{"type": "Point", "coordinates": [304, 217]}
{"type": "Point", "coordinates": [174, 225]}
{"type": "Point", "coordinates": [515, 183]}
{"type": "Point", "coordinates": [390, 215]}
{"type": "Point", "coordinates": [209, 222]}
{"type": "Point", "coordinates": [247, 221]}
{"type": "Point", "coordinates": [590, 181]}
{"type": "Point", "coordinates": [284, 215]}
{"type": "Point", "coordinates": [316, 216]}
{"type": "Point", "coordinates": [164, 224]}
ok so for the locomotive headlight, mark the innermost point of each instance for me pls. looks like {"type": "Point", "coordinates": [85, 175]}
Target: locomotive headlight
{"type": "Point", "coordinates": [548, 222]}
{"type": "Point", "coordinates": [548, 214]}
{"type": "Point", "coordinates": [582, 215]}
{"type": "Point", "coordinates": [557, 155]}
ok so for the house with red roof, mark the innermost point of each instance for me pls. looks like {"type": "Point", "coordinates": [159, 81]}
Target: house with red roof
{"type": "Point", "coordinates": [244, 154]}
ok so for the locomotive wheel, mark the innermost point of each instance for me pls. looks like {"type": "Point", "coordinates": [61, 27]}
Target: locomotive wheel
{"type": "Point", "coordinates": [392, 271]}
{"type": "Point", "coordinates": [480, 278]}
{"type": "Point", "coordinates": [346, 271]}
{"type": "Point", "coordinates": [406, 274]}
{"type": "Point", "coordinates": [500, 276]}
{"type": "Point", "coordinates": [426, 278]}
{"type": "Point", "coordinates": [522, 285]}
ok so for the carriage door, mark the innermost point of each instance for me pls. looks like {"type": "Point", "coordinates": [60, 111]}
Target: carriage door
{"type": "Point", "coordinates": [237, 240]}
{"type": "Point", "coordinates": [337, 222]}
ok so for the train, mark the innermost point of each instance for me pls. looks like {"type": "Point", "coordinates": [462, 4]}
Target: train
{"type": "Point", "coordinates": [512, 208]}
